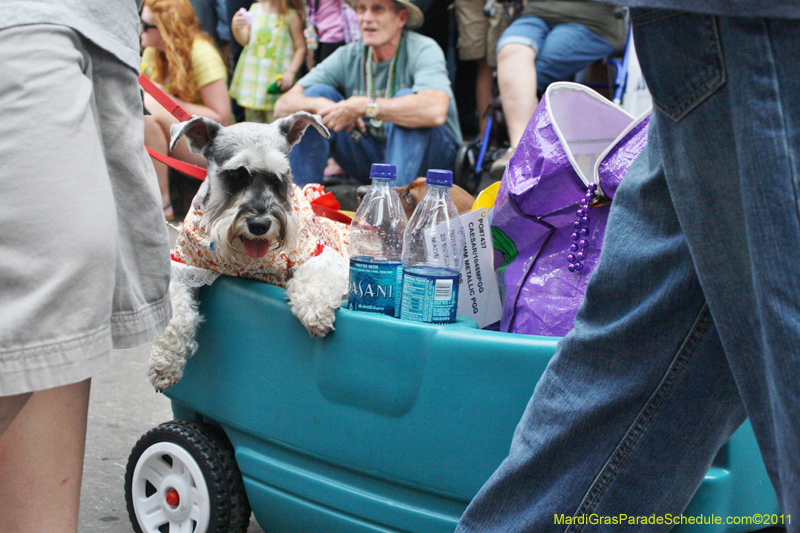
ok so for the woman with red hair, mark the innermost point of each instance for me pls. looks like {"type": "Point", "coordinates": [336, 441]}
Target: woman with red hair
{"type": "Point", "coordinates": [183, 60]}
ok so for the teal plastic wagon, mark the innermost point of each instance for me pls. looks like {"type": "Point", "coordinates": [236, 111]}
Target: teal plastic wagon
{"type": "Point", "coordinates": [384, 426]}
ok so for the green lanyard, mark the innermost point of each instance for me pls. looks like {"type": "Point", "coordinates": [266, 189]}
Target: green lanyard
{"type": "Point", "coordinates": [389, 82]}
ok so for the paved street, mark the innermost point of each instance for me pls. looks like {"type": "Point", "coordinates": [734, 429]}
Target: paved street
{"type": "Point", "coordinates": [123, 407]}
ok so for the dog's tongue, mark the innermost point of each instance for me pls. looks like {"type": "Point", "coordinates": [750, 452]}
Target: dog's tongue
{"type": "Point", "coordinates": [256, 247]}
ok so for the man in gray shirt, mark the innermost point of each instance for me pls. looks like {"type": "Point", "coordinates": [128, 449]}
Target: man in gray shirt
{"type": "Point", "coordinates": [386, 100]}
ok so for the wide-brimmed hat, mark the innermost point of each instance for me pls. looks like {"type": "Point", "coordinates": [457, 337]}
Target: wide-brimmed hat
{"type": "Point", "coordinates": [415, 16]}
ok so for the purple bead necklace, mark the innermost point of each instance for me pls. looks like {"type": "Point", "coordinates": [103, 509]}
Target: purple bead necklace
{"type": "Point", "coordinates": [578, 247]}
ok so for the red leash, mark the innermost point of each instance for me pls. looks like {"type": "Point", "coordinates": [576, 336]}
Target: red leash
{"type": "Point", "coordinates": [177, 112]}
{"type": "Point", "coordinates": [181, 166]}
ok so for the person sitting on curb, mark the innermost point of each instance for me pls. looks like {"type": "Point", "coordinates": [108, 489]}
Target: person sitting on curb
{"type": "Point", "coordinates": [386, 99]}
{"type": "Point", "coordinates": [551, 41]}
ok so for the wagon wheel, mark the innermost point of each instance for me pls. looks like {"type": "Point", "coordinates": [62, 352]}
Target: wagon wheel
{"type": "Point", "coordinates": [182, 477]}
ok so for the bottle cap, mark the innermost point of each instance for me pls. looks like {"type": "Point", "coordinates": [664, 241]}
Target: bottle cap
{"type": "Point", "coordinates": [387, 172]}
{"type": "Point", "coordinates": [443, 178]}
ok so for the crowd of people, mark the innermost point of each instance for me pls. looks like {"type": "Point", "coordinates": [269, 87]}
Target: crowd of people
{"type": "Point", "coordinates": [388, 99]}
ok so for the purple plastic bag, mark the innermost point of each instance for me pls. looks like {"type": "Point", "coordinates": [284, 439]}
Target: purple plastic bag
{"type": "Point", "coordinates": [575, 138]}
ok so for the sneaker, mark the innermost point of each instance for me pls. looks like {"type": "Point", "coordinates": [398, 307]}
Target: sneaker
{"type": "Point", "coordinates": [332, 168]}
{"type": "Point", "coordinates": [498, 168]}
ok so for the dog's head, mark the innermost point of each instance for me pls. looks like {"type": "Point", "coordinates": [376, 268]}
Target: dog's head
{"type": "Point", "coordinates": [412, 194]}
{"type": "Point", "coordinates": [247, 191]}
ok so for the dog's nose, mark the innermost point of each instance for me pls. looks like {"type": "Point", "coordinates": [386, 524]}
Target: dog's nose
{"type": "Point", "coordinates": [258, 226]}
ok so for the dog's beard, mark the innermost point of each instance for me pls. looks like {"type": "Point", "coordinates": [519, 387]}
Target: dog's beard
{"type": "Point", "coordinates": [230, 231]}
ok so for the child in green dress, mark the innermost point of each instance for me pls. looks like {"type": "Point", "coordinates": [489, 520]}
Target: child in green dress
{"type": "Point", "coordinates": [271, 33]}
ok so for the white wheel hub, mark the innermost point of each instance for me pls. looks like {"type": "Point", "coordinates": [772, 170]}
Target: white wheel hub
{"type": "Point", "coordinates": [169, 488]}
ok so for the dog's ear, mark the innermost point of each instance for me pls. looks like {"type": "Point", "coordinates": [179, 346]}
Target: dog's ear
{"type": "Point", "coordinates": [293, 127]}
{"type": "Point", "coordinates": [199, 131]}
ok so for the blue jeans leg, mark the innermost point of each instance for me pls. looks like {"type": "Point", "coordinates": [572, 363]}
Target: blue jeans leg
{"type": "Point", "coordinates": [561, 50]}
{"type": "Point", "coordinates": [739, 206]}
{"type": "Point", "coordinates": [567, 49]}
{"type": "Point", "coordinates": [416, 150]}
{"type": "Point", "coordinates": [691, 320]}
{"type": "Point", "coordinates": [309, 156]}
{"type": "Point", "coordinates": [356, 154]}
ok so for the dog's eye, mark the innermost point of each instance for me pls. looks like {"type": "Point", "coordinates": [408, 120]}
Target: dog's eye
{"type": "Point", "coordinates": [240, 173]}
{"type": "Point", "coordinates": [272, 179]}
{"type": "Point", "coordinates": [408, 199]}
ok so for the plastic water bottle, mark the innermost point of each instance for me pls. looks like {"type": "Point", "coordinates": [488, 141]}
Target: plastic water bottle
{"type": "Point", "coordinates": [376, 245]}
{"type": "Point", "coordinates": [433, 249]}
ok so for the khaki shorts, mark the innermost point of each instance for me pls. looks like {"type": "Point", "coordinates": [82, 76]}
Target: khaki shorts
{"type": "Point", "coordinates": [478, 34]}
{"type": "Point", "coordinates": [84, 249]}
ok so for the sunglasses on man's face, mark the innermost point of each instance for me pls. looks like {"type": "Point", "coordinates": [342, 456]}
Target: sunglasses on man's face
{"type": "Point", "coordinates": [146, 25]}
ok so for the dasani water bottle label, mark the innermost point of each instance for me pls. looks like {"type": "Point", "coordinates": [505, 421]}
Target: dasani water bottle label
{"type": "Point", "coordinates": [375, 286]}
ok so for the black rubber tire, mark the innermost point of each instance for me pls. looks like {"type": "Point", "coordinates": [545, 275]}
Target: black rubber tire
{"type": "Point", "coordinates": [212, 451]}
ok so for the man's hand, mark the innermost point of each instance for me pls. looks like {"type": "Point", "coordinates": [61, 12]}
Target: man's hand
{"type": "Point", "coordinates": [345, 115]}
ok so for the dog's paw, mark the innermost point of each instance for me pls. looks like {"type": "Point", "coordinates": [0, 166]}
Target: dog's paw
{"type": "Point", "coordinates": [315, 292]}
{"type": "Point", "coordinates": [322, 324]}
{"type": "Point", "coordinates": [165, 367]}
{"type": "Point", "coordinates": [164, 370]}
{"type": "Point", "coordinates": [317, 319]}
{"type": "Point", "coordinates": [316, 315]}
{"type": "Point", "coordinates": [176, 343]}
{"type": "Point", "coordinates": [317, 331]}
{"type": "Point", "coordinates": [162, 380]}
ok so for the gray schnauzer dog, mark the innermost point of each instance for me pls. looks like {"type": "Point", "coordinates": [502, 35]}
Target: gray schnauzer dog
{"type": "Point", "coordinates": [249, 220]}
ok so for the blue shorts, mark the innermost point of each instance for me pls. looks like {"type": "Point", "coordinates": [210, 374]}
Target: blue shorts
{"type": "Point", "coordinates": [562, 50]}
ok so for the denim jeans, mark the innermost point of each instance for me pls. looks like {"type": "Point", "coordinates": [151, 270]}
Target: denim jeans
{"type": "Point", "coordinates": [561, 49]}
{"type": "Point", "coordinates": [412, 151]}
{"type": "Point", "coordinates": [691, 322]}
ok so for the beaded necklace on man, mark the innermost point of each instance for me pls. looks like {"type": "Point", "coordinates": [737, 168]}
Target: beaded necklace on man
{"type": "Point", "coordinates": [389, 92]}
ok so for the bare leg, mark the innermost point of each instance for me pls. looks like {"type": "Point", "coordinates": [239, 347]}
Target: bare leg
{"type": "Point", "coordinates": [157, 137]}
{"type": "Point", "coordinates": [483, 91]}
{"type": "Point", "coordinates": [516, 77]}
{"type": "Point", "coordinates": [41, 462]}
{"type": "Point", "coordinates": [9, 407]}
